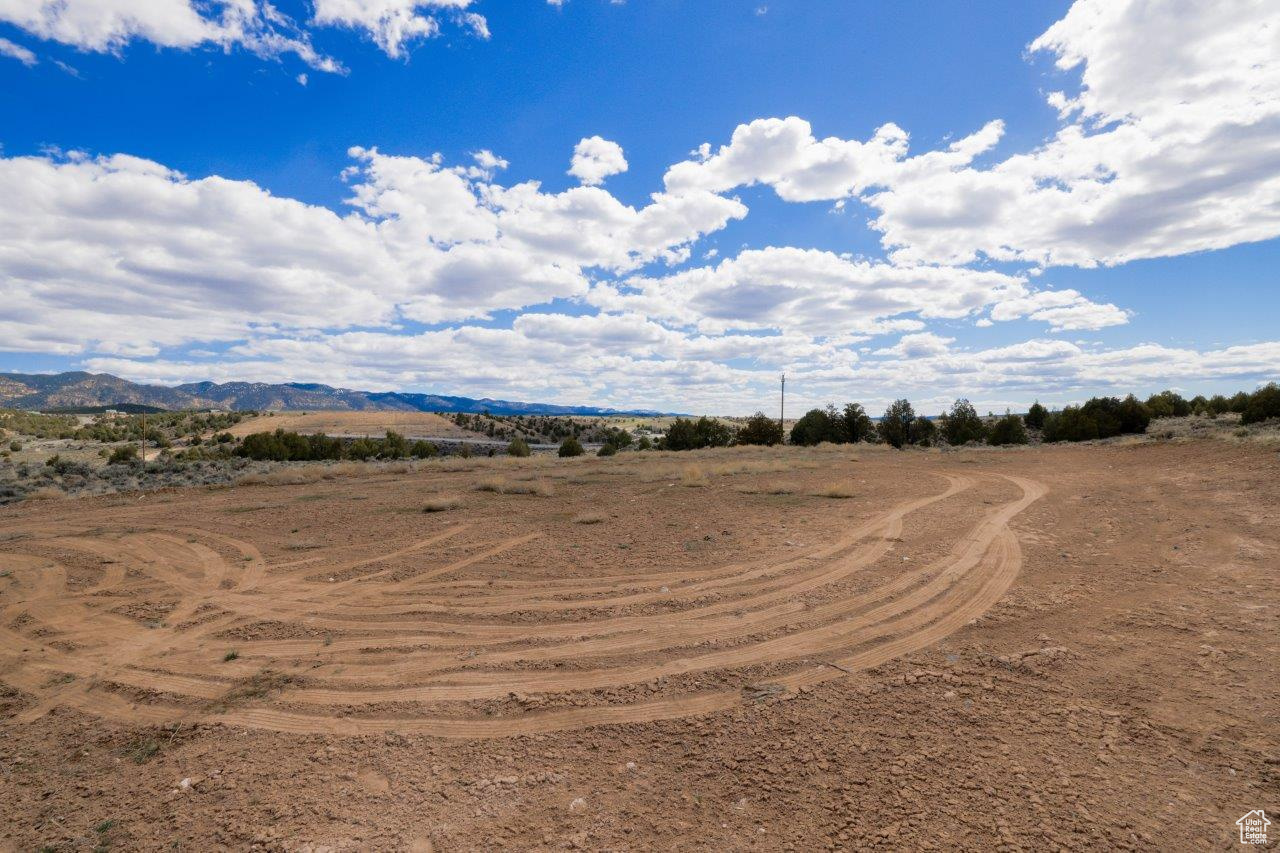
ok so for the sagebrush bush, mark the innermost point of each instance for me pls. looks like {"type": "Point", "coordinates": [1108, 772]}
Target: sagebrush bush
{"type": "Point", "coordinates": [571, 447]}
{"type": "Point", "coordinates": [518, 447]}
{"type": "Point", "coordinates": [123, 455]}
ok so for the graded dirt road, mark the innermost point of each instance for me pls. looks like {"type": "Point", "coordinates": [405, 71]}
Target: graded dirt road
{"type": "Point", "coordinates": [1054, 647]}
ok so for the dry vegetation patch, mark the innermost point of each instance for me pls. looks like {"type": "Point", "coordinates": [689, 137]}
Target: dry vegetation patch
{"type": "Point", "coordinates": [442, 503]}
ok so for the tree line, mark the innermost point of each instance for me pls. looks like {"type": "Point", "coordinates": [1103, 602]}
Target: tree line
{"type": "Point", "coordinates": [284, 446]}
{"type": "Point", "coordinates": [900, 425]}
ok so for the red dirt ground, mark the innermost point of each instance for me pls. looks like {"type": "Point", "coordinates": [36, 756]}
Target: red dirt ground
{"type": "Point", "coordinates": [1053, 648]}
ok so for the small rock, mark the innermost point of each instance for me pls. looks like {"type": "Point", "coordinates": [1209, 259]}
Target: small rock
{"type": "Point", "coordinates": [578, 806]}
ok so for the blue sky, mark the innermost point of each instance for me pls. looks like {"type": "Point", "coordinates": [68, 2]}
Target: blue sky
{"type": "Point", "coordinates": [992, 200]}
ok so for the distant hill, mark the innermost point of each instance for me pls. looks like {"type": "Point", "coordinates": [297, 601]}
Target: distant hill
{"type": "Point", "coordinates": [78, 390]}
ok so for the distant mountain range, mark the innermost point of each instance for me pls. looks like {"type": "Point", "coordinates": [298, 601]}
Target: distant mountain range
{"type": "Point", "coordinates": [79, 390]}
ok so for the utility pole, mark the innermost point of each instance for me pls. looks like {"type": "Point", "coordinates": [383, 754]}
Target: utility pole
{"type": "Point", "coordinates": [782, 411]}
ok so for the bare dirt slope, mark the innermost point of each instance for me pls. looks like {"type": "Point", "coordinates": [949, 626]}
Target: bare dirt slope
{"type": "Point", "coordinates": [372, 423]}
{"type": "Point", "coordinates": [1061, 647]}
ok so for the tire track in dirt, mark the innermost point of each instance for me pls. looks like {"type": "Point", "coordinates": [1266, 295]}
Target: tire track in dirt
{"type": "Point", "coordinates": [415, 658]}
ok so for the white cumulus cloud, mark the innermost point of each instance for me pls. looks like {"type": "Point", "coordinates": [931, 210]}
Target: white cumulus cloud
{"type": "Point", "coordinates": [595, 159]}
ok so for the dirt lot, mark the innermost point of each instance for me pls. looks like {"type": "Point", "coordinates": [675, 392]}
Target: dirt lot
{"type": "Point", "coordinates": [1066, 647]}
{"type": "Point", "coordinates": [374, 423]}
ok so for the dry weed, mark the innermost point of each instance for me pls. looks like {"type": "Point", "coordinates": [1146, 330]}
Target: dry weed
{"type": "Point", "coordinates": [46, 493]}
{"type": "Point", "coordinates": [835, 490]}
{"type": "Point", "coordinates": [442, 503]}
{"type": "Point", "coordinates": [497, 485]}
{"type": "Point", "coordinates": [693, 476]}
{"type": "Point", "coordinates": [588, 518]}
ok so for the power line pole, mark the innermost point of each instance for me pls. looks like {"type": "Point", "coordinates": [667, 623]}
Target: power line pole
{"type": "Point", "coordinates": [782, 411]}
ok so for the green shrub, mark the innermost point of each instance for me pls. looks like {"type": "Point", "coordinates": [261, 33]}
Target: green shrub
{"type": "Point", "coordinates": [518, 447]}
{"type": "Point", "coordinates": [1007, 430]}
{"type": "Point", "coordinates": [924, 432]}
{"type": "Point", "coordinates": [424, 450]}
{"type": "Point", "coordinates": [759, 429]}
{"type": "Point", "coordinates": [123, 455]}
{"type": "Point", "coordinates": [1070, 424]}
{"type": "Point", "coordinates": [1035, 416]}
{"type": "Point", "coordinates": [394, 446]}
{"type": "Point", "coordinates": [684, 434]}
{"type": "Point", "coordinates": [1168, 404]}
{"type": "Point", "coordinates": [361, 449]}
{"type": "Point", "coordinates": [607, 450]}
{"type": "Point", "coordinates": [895, 426]}
{"type": "Point", "coordinates": [15, 446]}
{"type": "Point", "coordinates": [858, 425]}
{"type": "Point", "coordinates": [818, 425]}
{"type": "Point", "coordinates": [570, 447]}
{"type": "Point", "coordinates": [962, 425]}
{"type": "Point", "coordinates": [1263, 404]}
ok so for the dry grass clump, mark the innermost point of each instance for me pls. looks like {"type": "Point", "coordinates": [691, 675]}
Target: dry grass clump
{"type": "Point", "coordinates": [442, 503]}
{"type": "Point", "coordinates": [693, 476]}
{"type": "Point", "coordinates": [303, 474]}
{"type": "Point", "coordinates": [46, 493]}
{"type": "Point", "coordinates": [835, 490]}
{"type": "Point", "coordinates": [502, 486]}
{"type": "Point", "coordinates": [283, 477]}
{"type": "Point", "coordinates": [588, 518]}
{"type": "Point", "coordinates": [497, 485]}
{"type": "Point", "coordinates": [750, 466]}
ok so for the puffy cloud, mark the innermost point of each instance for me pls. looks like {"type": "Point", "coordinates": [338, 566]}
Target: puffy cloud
{"type": "Point", "coordinates": [823, 294]}
{"type": "Point", "coordinates": [1063, 310]}
{"type": "Point", "coordinates": [918, 345]}
{"type": "Point", "coordinates": [1172, 148]}
{"type": "Point", "coordinates": [784, 154]}
{"type": "Point", "coordinates": [1168, 148]}
{"type": "Point", "coordinates": [256, 25]}
{"type": "Point", "coordinates": [596, 158]}
{"type": "Point", "coordinates": [18, 52]}
{"type": "Point", "coordinates": [112, 252]}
